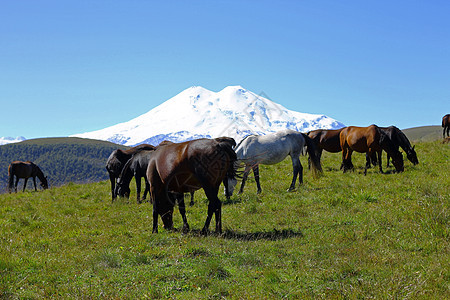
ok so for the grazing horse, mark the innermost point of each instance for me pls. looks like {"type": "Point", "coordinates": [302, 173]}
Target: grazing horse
{"type": "Point", "coordinates": [135, 167]}
{"type": "Point", "coordinates": [446, 125]}
{"type": "Point", "coordinates": [117, 160]}
{"type": "Point", "coordinates": [325, 139]}
{"type": "Point", "coordinates": [271, 149]}
{"type": "Point", "coordinates": [368, 140]}
{"type": "Point", "coordinates": [25, 170]}
{"type": "Point", "coordinates": [187, 167]}
{"type": "Point", "coordinates": [400, 140]}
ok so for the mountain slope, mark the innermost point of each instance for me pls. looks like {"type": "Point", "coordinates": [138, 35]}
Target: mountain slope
{"type": "Point", "coordinates": [197, 112]}
{"type": "Point", "coordinates": [63, 160]}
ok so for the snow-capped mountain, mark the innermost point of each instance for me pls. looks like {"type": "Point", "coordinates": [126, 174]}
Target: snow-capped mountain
{"type": "Point", "coordinates": [197, 112]}
{"type": "Point", "coordinates": [9, 140]}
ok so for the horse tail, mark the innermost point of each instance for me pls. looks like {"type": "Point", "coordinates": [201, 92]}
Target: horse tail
{"type": "Point", "coordinates": [11, 178]}
{"type": "Point", "coordinates": [312, 152]}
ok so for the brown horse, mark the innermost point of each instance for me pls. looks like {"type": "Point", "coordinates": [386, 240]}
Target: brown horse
{"type": "Point", "coordinates": [326, 139]}
{"type": "Point", "coordinates": [368, 140]}
{"type": "Point", "coordinates": [25, 170]}
{"type": "Point", "coordinates": [117, 160]}
{"type": "Point", "coordinates": [187, 167]}
{"type": "Point", "coordinates": [446, 125]}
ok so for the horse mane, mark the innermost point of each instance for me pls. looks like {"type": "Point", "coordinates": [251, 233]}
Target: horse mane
{"type": "Point", "coordinates": [237, 146]}
{"type": "Point", "coordinates": [124, 172]}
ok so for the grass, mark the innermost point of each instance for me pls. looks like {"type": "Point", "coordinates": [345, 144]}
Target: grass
{"type": "Point", "coordinates": [339, 236]}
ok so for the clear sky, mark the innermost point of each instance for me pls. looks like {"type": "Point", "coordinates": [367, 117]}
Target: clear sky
{"type": "Point", "coordinates": [68, 67]}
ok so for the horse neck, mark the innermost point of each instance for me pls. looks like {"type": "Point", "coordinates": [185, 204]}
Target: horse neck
{"type": "Point", "coordinates": [37, 171]}
{"type": "Point", "coordinates": [404, 142]}
{"type": "Point", "coordinates": [127, 173]}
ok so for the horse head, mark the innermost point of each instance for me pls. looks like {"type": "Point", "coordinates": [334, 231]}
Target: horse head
{"type": "Point", "coordinates": [412, 156]}
{"type": "Point", "coordinates": [44, 183]}
{"type": "Point", "coordinates": [232, 182]}
{"type": "Point", "coordinates": [122, 189]}
{"type": "Point", "coordinates": [397, 161]}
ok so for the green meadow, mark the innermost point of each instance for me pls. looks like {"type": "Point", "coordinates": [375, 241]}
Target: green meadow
{"type": "Point", "coordinates": [340, 236]}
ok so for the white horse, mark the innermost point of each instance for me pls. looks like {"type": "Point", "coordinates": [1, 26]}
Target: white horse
{"type": "Point", "coordinates": [271, 149]}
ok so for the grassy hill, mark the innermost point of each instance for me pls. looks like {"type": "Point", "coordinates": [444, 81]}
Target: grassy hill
{"type": "Point", "coordinates": [342, 236]}
{"type": "Point", "coordinates": [62, 160]}
{"type": "Point", "coordinates": [424, 133]}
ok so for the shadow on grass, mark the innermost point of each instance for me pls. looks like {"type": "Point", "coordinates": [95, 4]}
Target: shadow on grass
{"type": "Point", "coordinates": [274, 235]}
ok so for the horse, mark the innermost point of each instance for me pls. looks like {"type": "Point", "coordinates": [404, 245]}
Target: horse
{"type": "Point", "coordinates": [136, 167]}
{"type": "Point", "coordinates": [117, 159]}
{"type": "Point", "coordinates": [368, 140]}
{"type": "Point", "coordinates": [271, 149]}
{"type": "Point", "coordinates": [187, 167]}
{"type": "Point", "coordinates": [400, 140]}
{"type": "Point", "coordinates": [446, 125]}
{"type": "Point", "coordinates": [25, 170]}
{"type": "Point", "coordinates": [325, 139]}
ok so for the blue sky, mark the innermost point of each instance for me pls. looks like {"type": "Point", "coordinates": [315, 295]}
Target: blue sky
{"type": "Point", "coordinates": [68, 67]}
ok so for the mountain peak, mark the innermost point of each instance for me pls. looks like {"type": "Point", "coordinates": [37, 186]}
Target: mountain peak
{"type": "Point", "coordinates": [198, 112]}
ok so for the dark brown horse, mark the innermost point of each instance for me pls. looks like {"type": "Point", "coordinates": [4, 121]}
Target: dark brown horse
{"type": "Point", "coordinates": [25, 170]}
{"type": "Point", "coordinates": [446, 125]}
{"type": "Point", "coordinates": [135, 167]}
{"type": "Point", "coordinates": [187, 167]}
{"type": "Point", "coordinates": [368, 140]}
{"type": "Point", "coordinates": [399, 139]}
{"type": "Point", "coordinates": [326, 139]}
{"type": "Point", "coordinates": [117, 160]}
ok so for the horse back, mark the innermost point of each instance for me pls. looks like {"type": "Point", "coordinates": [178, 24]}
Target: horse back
{"type": "Point", "coordinates": [329, 140]}
{"type": "Point", "coordinates": [179, 166]}
{"type": "Point", "coordinates": [446, 120]}
{"type": "Point", "coordinates": [21, 169]}
{"type": "Point", "coordinates": [360, 139]}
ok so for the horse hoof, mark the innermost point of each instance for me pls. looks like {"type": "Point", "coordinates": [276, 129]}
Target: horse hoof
{"type": "Point", "coordinates": [259, 192]}
{"type": "Point", "coordinates": [290, 189]}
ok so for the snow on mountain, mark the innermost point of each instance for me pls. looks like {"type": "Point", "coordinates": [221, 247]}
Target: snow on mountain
{"type": "Point", "coordinates": [197, 112]}
{"type": "Point", "coordinates": [9, 140]}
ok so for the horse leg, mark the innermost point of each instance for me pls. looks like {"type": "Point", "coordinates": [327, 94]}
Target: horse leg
{"type": "Point", "coordinates": [379, 161]}
{"type": "Point", "coordinates": [112, 179]}
{"type": "Point", "coordinates": [347, 159]}
{"type": "Point", "coordinates": [214, 206]}
{"type": "Point", "coordinates": [34, 181]}
{"type": "Point", "coordinates": [182, 209]}
{"type": "Point", "coordinates": [15, 185]}
{"type": "Point", "coordinates": [297, 170]}
{"type": "Point", "coordinates": [244, 179]}
{"type": "Point", "coordinates": [25, 184]}
{"type": "Point", "coordinates": [138, 188]}
{"type": "Point", "coordinates": [147, 189]}
{"type": "Point", "coordinates": [388, 157]}
{"type": "Point", "coordinates": [256, 173]}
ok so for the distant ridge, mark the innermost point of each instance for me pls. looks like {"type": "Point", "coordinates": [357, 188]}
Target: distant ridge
{"type": "Point", "coordinates": [424, 133]}
{"type": "Point", "coordinates": [197, 112]}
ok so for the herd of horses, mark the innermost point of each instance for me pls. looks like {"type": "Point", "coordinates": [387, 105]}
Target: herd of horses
{"type": "Point", "coordinates": [172, 169]}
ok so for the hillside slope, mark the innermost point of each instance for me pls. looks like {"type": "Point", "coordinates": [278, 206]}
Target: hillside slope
{"type": "Point", "coordinates": [424, 133]}
{"type": "Point", "coordinates": [62, 160]}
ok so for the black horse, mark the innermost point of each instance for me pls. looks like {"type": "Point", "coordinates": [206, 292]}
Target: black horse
{"type": "Point", "coordinates": [446, 125]}
{"type": "Point", "coordinates": [398, 139]}
{"type": "Point", "coordinates": [135, 167]}
{"type": "Point", "coordinates": [117, 160]}
{"type": "Point", "coordinates": [25, 169]}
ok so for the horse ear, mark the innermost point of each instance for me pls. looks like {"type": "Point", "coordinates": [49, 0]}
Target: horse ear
{"type": "Point", "coordinates": [414, 147]}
